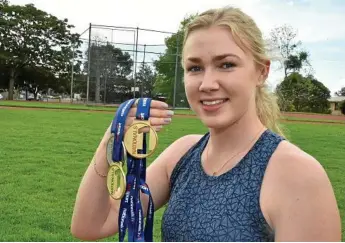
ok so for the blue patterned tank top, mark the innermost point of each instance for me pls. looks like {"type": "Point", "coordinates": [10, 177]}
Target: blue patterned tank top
{"type": "Point", "coordinates": [222, 208]}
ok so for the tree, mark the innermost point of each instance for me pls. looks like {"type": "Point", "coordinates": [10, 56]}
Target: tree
{"type": "Point", "coordinates": [341, 92]}
{"type": "Point", "coordinates": [293, 92]}
{"type": "Point", "coordinates": [283, 40]}
{"type": "Point", "coordinates": [110, 70]}
{"type": "Point", "coordinates": [166, 67]}
{"type": "Point", "coordinates": [295, 63]}
{"type": "Point", "coordinates": [34, 38]}
{"type": "Point", "coordinates": [146, 78]}
{"type": "Point", "coordinates": [303, 94]}
{"type": "Point", "coordinates": [318, 96]}
{"type": "Point", "coordinates": [3, 3]}
{"type": "Point", "coordinates": [36, 79]}
{"type": "Point", "coordinates": [4, 76]}
{"type": "Point", "coordinates": [39, 79]}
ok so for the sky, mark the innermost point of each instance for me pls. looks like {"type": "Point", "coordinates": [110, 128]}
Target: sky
{"type": "Point", "coordinates": [320, 24]}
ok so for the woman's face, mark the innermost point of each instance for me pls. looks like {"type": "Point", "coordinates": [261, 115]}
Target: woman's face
{"type": "Point", "coordinates": [220, 78]}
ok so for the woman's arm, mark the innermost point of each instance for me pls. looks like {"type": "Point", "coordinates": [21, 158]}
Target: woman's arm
{"type": "Point", "coordinates": [92, 204]}
{"type": "Point", "coordinates": [95, 213]}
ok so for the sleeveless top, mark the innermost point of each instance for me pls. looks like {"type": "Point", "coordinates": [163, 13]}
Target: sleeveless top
{"type": "Point", "coordinates": [219, 208]}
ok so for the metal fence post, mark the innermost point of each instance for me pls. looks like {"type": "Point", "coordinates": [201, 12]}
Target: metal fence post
{"type": "Point", "coordinates": [135, 61]}
{"type": "Point", "coordinates": [88, 66]}
{"type": "Point", "coordinates": [72, 72]}
{"type": "Point", "coordinates": [176, 69]}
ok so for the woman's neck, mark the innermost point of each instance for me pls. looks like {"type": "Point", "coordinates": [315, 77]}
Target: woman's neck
{"type": "Point", "coordinates": [235, 138]}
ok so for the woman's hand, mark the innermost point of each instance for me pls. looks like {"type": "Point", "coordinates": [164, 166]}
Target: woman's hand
{"type": "Point", "coordinates": [159, 115]}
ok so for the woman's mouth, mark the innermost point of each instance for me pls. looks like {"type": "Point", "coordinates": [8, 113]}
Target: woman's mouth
{"type": "Point", "coordinates": [213, 105]}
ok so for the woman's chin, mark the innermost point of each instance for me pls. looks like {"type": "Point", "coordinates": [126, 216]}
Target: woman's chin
{"type": "Point", "coordinates": [216, 122]}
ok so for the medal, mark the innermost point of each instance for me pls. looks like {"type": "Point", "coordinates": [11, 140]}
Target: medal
{"type": "Point", "coordinates": [133, 139]}
{"type": "Point", "coordinates": [116, 178]}
{"type": "Point", "coordinates": [116, 181]}
{"type": "Point", "coordinates": [110, 151]}
{"type": "Point", "coordinates": [110, 145]}
{"type": "Point", "coordinates": [116, 153]}
{"type": "Point", "coordinates": [137, 145]}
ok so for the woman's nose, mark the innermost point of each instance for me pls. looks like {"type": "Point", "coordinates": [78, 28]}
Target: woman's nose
{"type": "Point", "coordinates": [209, 81]}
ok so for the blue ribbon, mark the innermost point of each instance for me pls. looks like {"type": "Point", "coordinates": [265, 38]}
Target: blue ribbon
{"type": "Point", "coordinates": [118, 127]}
{"type": "Point", "coordinates": [131, 215]}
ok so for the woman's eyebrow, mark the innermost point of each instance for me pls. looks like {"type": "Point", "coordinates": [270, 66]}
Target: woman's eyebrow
{"type": "Point", "coordinates": [215, 58]}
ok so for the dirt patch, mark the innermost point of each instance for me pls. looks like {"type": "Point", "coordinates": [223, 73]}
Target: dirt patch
{"type": "Point", "coordinates": [326, 119]}
{"type": "Point", "coordinates": [315, 116]}
{"type": "Point", "coordinates": [56, 109]}
{"type": "Point", "coordinates": [313, 122]}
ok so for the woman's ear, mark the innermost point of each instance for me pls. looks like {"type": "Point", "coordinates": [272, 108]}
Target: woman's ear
{"type": "Point", "coordinates": [266, 69]}
{"type": "Point", "coordinates": [264, 72]}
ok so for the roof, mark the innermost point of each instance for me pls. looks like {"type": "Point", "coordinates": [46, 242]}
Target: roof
{"type": "Point", "coordinates": [337, 99]}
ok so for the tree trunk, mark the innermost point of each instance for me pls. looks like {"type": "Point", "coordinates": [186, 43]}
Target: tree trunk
{"type": "Point", "coordinates": [11, 85]}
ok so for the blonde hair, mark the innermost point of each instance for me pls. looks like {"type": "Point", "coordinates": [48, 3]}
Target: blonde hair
{"type": "Point", "coordinates": [248, 36]}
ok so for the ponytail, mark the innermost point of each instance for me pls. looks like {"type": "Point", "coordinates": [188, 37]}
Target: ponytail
{"type": "Point", "coordinates": [268, 110]}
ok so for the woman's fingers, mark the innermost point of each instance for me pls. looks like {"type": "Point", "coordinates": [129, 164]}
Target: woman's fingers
{"type": "Point", "coordinates": [154, 121]}
{"type": "Point", "coordinates": [159, 115]}
{"type": "Point", "coordinates": [154, 112]}
{"type": "Point", "coordinates": [156, 104]}
{"type": "Point", "coordinates": [160, 121]}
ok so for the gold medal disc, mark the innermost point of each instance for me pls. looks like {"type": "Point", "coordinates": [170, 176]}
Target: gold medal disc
{"type": "Point", "coordinates": [133, 139]}
{"type": "Point", "coordinates": [110, 150]}
{"type": "Point", "coordinates": [116, 181]}
{"type": "Point", "coordinates": [110, 145]}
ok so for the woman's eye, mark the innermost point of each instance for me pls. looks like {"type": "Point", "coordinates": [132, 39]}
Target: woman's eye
{"type": "Point", "coordinates": [194, 69]}
{"type": "Point", "coordinates": [228, 65]}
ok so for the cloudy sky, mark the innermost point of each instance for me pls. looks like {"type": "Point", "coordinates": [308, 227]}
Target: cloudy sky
{"type": "Point", "coordinates": [320, 24]}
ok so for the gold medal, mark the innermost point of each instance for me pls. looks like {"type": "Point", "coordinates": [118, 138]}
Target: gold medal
{"type": "Point", "coordinates": [110, 145]}
{"type": "Point", "coordinates": [110, 150]}
{"type": "Point", "coordinates": [133, 139]}
{"type": "Point", "coordinates": [116, 181]}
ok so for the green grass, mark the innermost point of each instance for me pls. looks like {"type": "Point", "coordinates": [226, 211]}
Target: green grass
{"type": "Point", "coordinates": [43, 156]}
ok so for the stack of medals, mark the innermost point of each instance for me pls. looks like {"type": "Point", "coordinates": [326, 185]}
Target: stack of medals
{"type": "Point", "coordinates": [131, 147]}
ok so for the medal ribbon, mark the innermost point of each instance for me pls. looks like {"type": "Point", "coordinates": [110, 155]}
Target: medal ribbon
{"type": "Point", "coordinates": [131, 215]}
{"type": "Point", "coordinates": [143, 113]}
{"type": "Point", "coordinates": [118, 127]}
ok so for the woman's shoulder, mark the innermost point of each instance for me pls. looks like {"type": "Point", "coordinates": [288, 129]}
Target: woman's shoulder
{"type": "Point", "coordinates": [290, 158]}
{"type": "Point", "coordinates": [293, 161]}
{"type": "Point", "coordinates": [296, 169]}
{"type": "Point", "coordinates": [180, 147]}
{"type": "Point", "coordinates": [299, 194]}
{"type": "Point", "coordinates": [185, 143]}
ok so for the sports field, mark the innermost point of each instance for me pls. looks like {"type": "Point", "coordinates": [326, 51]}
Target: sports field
{"type": "Point", "coordinates": [44, 153]}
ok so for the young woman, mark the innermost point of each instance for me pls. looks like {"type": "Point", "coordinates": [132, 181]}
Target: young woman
{"type": "Point", "coordinates": [242, 181]}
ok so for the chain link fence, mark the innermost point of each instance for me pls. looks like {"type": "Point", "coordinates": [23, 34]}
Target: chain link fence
{"type": "Point", "coordinates": [118, 63]}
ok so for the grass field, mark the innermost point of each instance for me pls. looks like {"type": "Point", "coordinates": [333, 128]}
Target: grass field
{"type": "Point", "coordinates": [44, 153]}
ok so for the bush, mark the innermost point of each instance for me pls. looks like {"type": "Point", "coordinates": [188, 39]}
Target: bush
{"type": "Point", "coordinates": [342, 107]}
